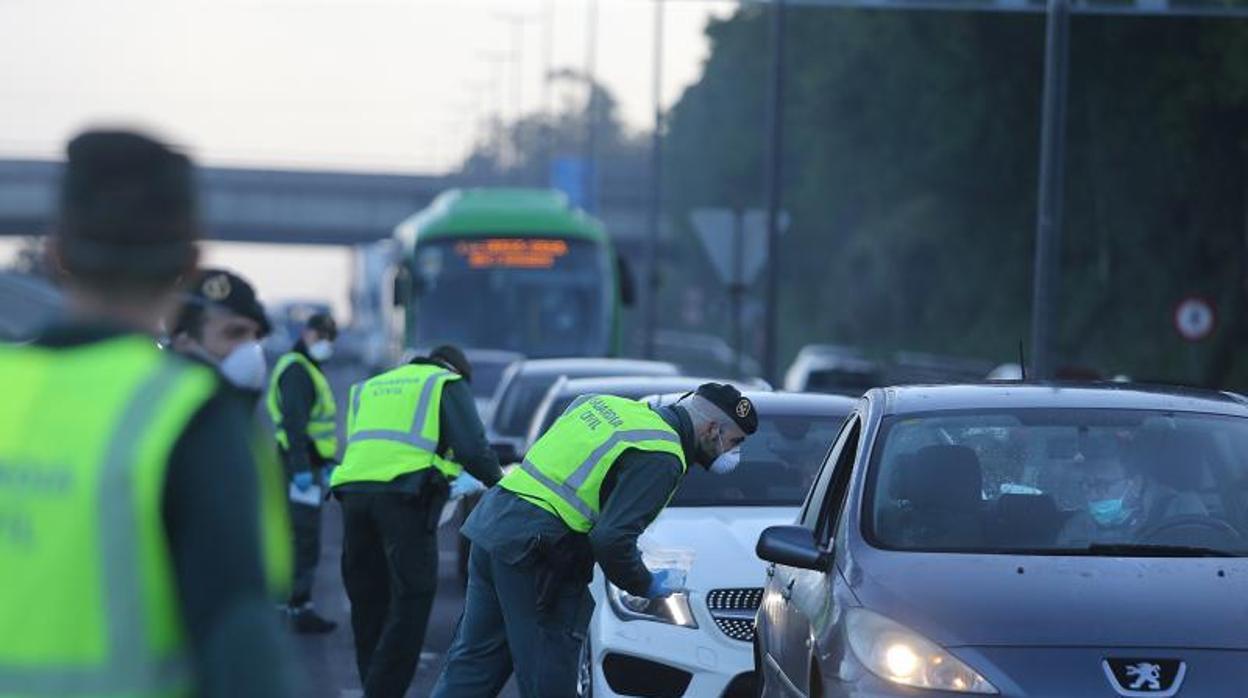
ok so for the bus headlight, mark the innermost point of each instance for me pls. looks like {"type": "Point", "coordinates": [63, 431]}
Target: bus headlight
{"type": "Point", "coordinates": [673, 610]}
{"type": "Point", "coordinates": [897, 654]}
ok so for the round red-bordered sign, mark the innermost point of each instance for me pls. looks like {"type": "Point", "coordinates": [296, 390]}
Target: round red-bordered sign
{"type": "Point", "coordinates": [1195, 318]}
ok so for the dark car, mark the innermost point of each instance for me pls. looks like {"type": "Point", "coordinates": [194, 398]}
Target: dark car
{"type": "Point", "coordinates": [488, 368]}
{"type": "Point", "coordinates": [833, 369]}
{"type": "Point", "coordinates": [1017, 540]}
{"type": "Point", "coordinates": [525, 383]}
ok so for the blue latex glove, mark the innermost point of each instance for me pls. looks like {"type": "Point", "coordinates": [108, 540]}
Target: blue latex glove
{"type": "Point", "coordinates": [665, 581]}
{"type": "Point", "coordinates": [303, 480]}
{"type": "Point", "coordinates": [465, 484]}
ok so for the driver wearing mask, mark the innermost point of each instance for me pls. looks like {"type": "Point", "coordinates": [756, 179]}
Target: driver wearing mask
{"type": "Point", "coordinates": [1123, 502]}
{"type": "Point", "coordinates": [220, 323]}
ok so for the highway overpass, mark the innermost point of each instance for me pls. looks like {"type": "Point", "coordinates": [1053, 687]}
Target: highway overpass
{"type": "Point", "coordinates": [249, 205]}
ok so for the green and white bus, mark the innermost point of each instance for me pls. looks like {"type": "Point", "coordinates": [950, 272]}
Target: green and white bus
{"type": "Point", "coordinates": [513, 269]}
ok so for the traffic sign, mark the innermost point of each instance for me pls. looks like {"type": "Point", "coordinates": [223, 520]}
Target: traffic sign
{"type": "Point", "coordinates": [1195, 318]}
{"type": "Point", "coordinates": [735, 241]}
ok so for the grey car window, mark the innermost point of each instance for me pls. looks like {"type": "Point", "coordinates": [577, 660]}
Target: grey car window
{"type": "Point", "coordinates": [814, 501]}
{"type": "Point", "coordinates": [834, 497]}
{"type": "Point", "coordinates": [1002, 481]}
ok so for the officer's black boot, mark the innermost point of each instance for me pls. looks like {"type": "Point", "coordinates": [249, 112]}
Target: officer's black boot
{"type": "Point", "coordinates": [305, 621]}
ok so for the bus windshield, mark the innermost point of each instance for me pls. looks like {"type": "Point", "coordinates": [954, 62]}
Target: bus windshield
{"type": "Point", "coordinates": [541, 296]}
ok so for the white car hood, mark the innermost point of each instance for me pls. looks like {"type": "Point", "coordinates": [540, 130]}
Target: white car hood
{"type": "Point", "coordinates": [720, 540]}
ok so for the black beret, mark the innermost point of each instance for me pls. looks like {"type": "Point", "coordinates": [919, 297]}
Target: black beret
{"type": "Point", "coordinates": [127, 205]}
{"type": "Point", "coordinates": [452, 356]}
{"type": "Point", "coordinates": [732, 403]}
{"type": "Point", "coordinates": [229, 291]}
{"type": "Point", "coordinates": [323, 323]}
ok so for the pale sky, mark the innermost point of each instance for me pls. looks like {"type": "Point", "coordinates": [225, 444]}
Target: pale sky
{"type": "Point", "coordinates": [398, 85]}
{"type": "Point", "coordinates": [357, 84]}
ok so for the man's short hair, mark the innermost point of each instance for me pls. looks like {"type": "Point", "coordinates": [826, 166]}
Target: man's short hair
{"type": "Point", "coordinates": [127, 211]}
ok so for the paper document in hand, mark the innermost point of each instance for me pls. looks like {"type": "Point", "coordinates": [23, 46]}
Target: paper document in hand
{"type": "Point", "coordinates": [448, 512]}
{"type": "Point", "coordinates": [310, 496]}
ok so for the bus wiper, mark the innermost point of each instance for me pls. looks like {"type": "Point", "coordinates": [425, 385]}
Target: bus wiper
{"type": "Point", "coordinates": [1152, 550]}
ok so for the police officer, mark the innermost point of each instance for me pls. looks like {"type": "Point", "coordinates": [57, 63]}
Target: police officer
{"type": "Point", "coordinates": [301, 405]}
{"type": "Point", "coordinates": [584, 493]}
{"type": "Point", "coordinates": [410, 432]}
{"type": "Point", "coordinates": [221, 322]}
{"type": "Point", "coordinates": [128, 568]}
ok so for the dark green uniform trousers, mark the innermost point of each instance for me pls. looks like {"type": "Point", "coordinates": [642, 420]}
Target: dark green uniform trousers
{"type": "Point", "coordinates": [501, 630]}
{"type": "Point", "coordinates": [305, 522]}
{"type": "Point", "coordinates": [390, 570]}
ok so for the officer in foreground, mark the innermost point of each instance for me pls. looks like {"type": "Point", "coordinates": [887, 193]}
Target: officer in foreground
{"type": "Point", "coordinates": [128, 569]}
{"type": "Point", "coordinates": [221, 322]}
{"type": "Point", "coordinates": [411, 432]}
{"type": "Point", "coordinates": [584, 493]}
{"type": "Point", "coordinates": [301, 404]}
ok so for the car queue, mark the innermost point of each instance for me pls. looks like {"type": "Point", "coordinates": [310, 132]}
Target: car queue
{"type": "Point", "coordinates": [1004, 538]}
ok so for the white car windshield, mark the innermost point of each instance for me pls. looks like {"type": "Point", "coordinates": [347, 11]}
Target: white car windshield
{"type": "Point", "coordinates": [1112, 482]}
{"type": "Point", "coordinates": [778, 464]}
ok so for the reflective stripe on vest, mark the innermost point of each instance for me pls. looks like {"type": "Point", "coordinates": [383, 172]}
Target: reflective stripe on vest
{"type": "Point", "coordinates": [393, 426]}
{"type": "Point", "coordinates": [322, 426]}
{"type": "Point", "coordinates": [142, 649]}
{"type": "Point", "coordinates": [564, 470]}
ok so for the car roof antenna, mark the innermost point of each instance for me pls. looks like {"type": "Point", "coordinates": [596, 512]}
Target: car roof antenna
{"type": "Point", "coordinates": [1022, 362]}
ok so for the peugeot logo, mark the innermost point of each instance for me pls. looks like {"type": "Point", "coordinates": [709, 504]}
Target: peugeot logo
{"type": "Point", "coordinates": [1145, 677]}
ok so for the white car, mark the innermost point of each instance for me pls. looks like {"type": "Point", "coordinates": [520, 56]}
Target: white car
{"type": "Point", "coordinates": [700, 643]}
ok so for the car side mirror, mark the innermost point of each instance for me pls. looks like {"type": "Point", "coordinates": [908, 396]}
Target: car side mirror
{"type": "Point", "coordinates": [403, 286]}
{"type": "Point", "coordinates": [793, 546]}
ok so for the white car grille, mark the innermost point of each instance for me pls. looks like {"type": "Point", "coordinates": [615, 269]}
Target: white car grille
{"type": "Point", "coordinates": [733, 611]}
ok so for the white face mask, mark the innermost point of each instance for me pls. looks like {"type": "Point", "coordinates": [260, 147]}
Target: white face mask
{"type": "Point", "coordinates": [726, 462]}
{"type": "Point", "coordinates": [244, 367]}
{"type": "Point", "coordinates": [321, 350]}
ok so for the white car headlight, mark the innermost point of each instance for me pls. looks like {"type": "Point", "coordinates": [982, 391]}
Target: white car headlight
{"type": "Point", "coordinates": [674, 609]}
{"type": "Point", "coordinates": [895, 653]}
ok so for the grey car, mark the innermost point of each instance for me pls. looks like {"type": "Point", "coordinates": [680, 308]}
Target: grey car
{"type": "Point", "coordinates": [1017, 540]}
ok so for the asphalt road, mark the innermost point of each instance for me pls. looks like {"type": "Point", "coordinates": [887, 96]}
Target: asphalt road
{"type": "Point", "coordinates": [328, 661]}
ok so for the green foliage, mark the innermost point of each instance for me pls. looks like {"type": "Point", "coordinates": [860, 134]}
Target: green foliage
{"type": "Point", "coordinates": [911, 144]}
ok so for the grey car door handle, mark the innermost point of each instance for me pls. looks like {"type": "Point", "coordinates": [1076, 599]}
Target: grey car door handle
{"type": "Point", "coordinates": [788, 590]}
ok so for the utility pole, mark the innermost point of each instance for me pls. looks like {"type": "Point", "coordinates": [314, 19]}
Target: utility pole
{"type": "Point", "coordinates": [775, 145]}
{"type": "Point", "coordinates": [656, 189]}
{"type": "Point", "coordinates": [1046, 275]}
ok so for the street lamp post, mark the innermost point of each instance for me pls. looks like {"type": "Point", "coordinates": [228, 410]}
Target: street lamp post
{"type": "Point", "coordinates": [1046, 275]}
{"type": "Point", "coordinates": [656, 189]}
{"type": "Point", "coordinates": [775, 118]}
